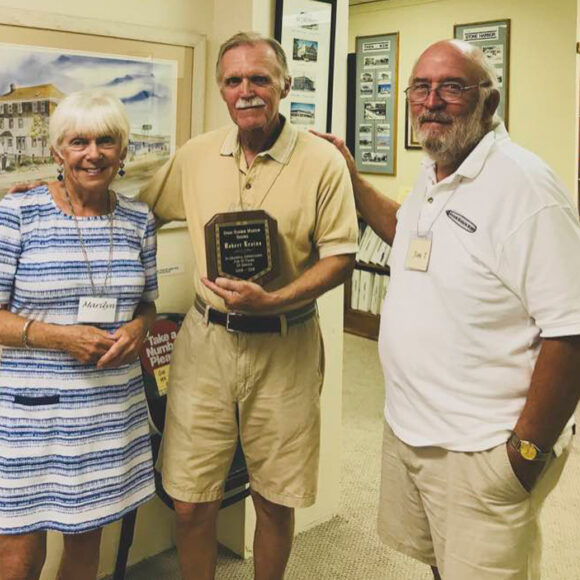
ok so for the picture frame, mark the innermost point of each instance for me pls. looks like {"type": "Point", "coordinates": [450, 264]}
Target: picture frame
{"type": "Point", "coordinates": [53, 43]}
{"type": "Point", "coordinates": [411, 141]}
{"type": "Point", "coordinates": [493, 37]}
{"type": "Point", "coordinates": [306, 29]}
{"type": "Point", "coordinates": [376, 103]}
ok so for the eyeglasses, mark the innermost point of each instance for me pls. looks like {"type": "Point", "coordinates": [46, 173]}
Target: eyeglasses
{"type": "Point", "coordinates": [449, 91]}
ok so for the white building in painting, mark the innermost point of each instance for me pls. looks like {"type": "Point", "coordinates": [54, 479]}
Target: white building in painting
{"type": "Point", "coordinates": [24, 115]}
{"type": "Point", "coordinates": [141, 144]}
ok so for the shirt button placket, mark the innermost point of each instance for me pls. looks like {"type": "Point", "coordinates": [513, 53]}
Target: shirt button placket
{"type": "Point", "coordinates": [247, 190]}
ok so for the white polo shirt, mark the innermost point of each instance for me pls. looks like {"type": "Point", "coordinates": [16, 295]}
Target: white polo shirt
{"type": "Point", "coordinates": [459, 342]}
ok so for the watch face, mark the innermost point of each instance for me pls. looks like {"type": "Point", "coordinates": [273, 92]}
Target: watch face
{"type": "Point", "coordinates": [528, 450]}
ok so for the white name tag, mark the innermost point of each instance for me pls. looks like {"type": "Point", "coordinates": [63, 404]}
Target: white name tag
{"type": "Point", "coordinates": [94, 309]}
{"type": "Point", "coordinates": [418, 254]}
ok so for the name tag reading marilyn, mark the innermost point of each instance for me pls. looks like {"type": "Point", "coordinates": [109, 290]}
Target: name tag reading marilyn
{"type": "Point", "coordinates": [95, 309]}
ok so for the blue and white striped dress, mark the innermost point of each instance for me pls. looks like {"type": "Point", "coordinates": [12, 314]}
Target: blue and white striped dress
{"type": "Point", "coordinates": [74, 440]}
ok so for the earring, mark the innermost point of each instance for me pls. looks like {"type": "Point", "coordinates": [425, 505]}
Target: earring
{"type": "Point", "coordinates": [59, 171]}
{"type": "Point", "coordinates": [122, 169]}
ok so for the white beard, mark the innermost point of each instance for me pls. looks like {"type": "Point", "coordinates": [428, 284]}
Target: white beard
{"type": "Point", "coordinates": [451, 147]}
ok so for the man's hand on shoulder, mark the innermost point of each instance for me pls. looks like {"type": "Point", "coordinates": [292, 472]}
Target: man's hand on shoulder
{"type": "Point", "coordinates": [342, 148]}
{"type": "Point", "coordinates": [242, 296]}
{"type": "Point", "coordinates": [24, 187]}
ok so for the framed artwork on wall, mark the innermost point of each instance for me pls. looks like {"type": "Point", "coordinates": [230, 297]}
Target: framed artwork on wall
{"type": "Point", "coordinates": [411, 141]}
{"type": "Point", "coordinates": [377, 60]}
{"type": "Point", "coordinates": [40, 65]}
{"type": "Point", "coordinates": [306, 30]}
{"type": "Point", "coordinates": [493, 37]}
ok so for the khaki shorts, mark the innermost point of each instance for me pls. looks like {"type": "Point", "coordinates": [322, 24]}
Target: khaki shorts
{"type": "Point", "coordinates": [274, 382]}
{"type": "Point", "coordinates": [466, 513]}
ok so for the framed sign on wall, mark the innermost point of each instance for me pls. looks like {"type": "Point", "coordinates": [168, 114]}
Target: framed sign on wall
{"type": "Point", "coordinates": [493, 37]}
{"type": "Point", "coordinates": [306, 31]}
{"type": "Point", "coordinates": [377, 59]}
{"type": "Point", "coordinates": [153, 73]}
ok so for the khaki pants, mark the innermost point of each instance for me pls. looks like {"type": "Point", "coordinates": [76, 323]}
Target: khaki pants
{"type": "Point", "coordinates": [274, 382]}
{"type": "Point", "coordinates": [466, 513]}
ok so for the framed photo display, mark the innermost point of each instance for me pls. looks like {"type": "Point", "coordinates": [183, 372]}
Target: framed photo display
{"type": "Point", "coordinates": [377, 59]}
{"type": "Point", "coordinates": [493, 37]}
{"type": "Point", "coordinates": [306, 30]}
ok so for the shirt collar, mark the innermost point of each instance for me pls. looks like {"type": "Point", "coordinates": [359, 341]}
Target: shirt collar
{"type": "Point", "coordinates": [474, 162]}
{"type": "Point", "coordinates": [280, 151]}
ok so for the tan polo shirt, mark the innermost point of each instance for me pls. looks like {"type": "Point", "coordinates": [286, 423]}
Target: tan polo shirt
{"type": "Point", "coordinates": [301, 181]}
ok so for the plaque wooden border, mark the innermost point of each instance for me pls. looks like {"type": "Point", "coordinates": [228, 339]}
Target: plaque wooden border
{"type": "Point", "coordinates": [213, 248]}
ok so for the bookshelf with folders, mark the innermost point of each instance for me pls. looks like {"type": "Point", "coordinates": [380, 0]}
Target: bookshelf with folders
{"type": "Point", "coordinates": [366, 290]}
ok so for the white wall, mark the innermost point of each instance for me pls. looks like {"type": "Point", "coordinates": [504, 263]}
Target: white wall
{"type": "Point", "coordinates": [192, 15]}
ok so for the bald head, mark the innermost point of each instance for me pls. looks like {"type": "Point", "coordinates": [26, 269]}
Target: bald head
{"type": "Point", "coordinates": [466, 56]}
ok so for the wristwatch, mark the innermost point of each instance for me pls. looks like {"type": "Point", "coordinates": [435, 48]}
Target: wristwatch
{"type": "Point", "coordinates": [528, 450]}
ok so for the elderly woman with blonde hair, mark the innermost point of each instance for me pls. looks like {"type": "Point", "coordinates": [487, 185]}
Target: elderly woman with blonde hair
{"type": "Point", "coordinates": [77, 285]}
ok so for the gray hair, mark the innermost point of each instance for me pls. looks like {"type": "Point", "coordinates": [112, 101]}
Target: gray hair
{"type": "Point", "coordinates": [89, 113]}
{"type": "Point", "coordinates": [251, 39]}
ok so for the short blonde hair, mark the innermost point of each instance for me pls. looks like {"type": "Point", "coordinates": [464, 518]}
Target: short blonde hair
{"type": "Point", "coordinates": [89, 113]}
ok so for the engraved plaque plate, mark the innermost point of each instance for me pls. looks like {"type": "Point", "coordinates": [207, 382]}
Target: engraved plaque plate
{"type": "Point", "coordinates": [242, 245]}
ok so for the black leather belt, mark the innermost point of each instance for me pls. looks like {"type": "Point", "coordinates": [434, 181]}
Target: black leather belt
{"type": "Point", "coordinates": [236, 322]}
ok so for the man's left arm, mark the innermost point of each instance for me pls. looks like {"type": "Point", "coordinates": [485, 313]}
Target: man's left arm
{"type": "Point", "coordinates": [539, 263]}
{"type": "Point", "coordinates": [324, 275]}
{"type": "Point", "coordinates": [553, 396]}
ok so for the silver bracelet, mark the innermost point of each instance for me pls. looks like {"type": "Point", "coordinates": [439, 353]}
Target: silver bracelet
{"type": "Point", "coordinates": [25, 328]}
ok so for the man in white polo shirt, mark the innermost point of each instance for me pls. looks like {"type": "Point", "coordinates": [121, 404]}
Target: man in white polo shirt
{"type": "Point", "coordinates": [479, 331]}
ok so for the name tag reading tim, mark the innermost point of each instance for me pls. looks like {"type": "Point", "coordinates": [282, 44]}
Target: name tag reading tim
{"type": "Point", "coordinates": [419, 253]}
{"type": "Point", "coordinates": [95, 309]}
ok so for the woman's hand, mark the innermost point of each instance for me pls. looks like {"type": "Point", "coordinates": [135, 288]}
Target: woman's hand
{"type": "Point", "coordinates": [87, 344]}
{"type": "Point", "coordinates": [127, 343]}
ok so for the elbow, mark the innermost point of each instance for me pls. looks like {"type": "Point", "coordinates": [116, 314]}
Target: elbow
{"type": "Point", "coordinates": [349, 261]}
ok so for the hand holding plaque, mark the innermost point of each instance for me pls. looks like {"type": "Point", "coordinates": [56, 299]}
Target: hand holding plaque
{"type": "Point", "coordinates": [242, 245]}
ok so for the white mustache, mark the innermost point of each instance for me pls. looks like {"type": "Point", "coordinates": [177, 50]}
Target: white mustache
{"type": "Point", "coordinates": [437, 117]}
{"type": "Point", "coordinates": [248, 103]}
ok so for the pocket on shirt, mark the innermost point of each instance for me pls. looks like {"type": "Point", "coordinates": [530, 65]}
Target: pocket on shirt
{"type": "Point", "coordinates": [36, 401]}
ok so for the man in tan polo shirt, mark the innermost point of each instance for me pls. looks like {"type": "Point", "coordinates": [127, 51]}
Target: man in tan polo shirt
{"type": "Point", "coordinates": [270, 370]}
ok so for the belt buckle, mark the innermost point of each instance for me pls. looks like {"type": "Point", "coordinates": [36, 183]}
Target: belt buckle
{"type": "Point", "coordinates": [231, 316]}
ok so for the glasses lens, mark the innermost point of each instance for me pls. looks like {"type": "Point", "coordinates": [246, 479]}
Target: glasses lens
{"type": "Point", "coordinates": [418, 93]}
{"type": "Point", "coordinates": [450, 91]}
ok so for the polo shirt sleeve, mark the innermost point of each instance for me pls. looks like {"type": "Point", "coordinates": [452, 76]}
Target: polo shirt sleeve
{"type": "Point", "coordinates": [164, 193]}
{"type": "Point", "coordinates": [336, 228]}
{"type": "Point", "coordinates": [10, 245]}
{"type": "Point", "coordinates": [540, 262]}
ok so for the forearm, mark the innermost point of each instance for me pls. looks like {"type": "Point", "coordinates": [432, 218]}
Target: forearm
{"type": "Point", "coordinates": [146, 313]}
{"type": "Point", "coordinates": [39, 334]}
{"type": "Point", "coordinates": [554, 392]}
{"type": "Point", "coordinates": [321, 277]}
{"type": "Point", "coordinates": [379, 211]}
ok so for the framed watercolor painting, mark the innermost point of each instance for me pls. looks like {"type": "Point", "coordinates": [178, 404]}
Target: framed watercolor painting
{"type": "Point", "coordinates": [40, 66]}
